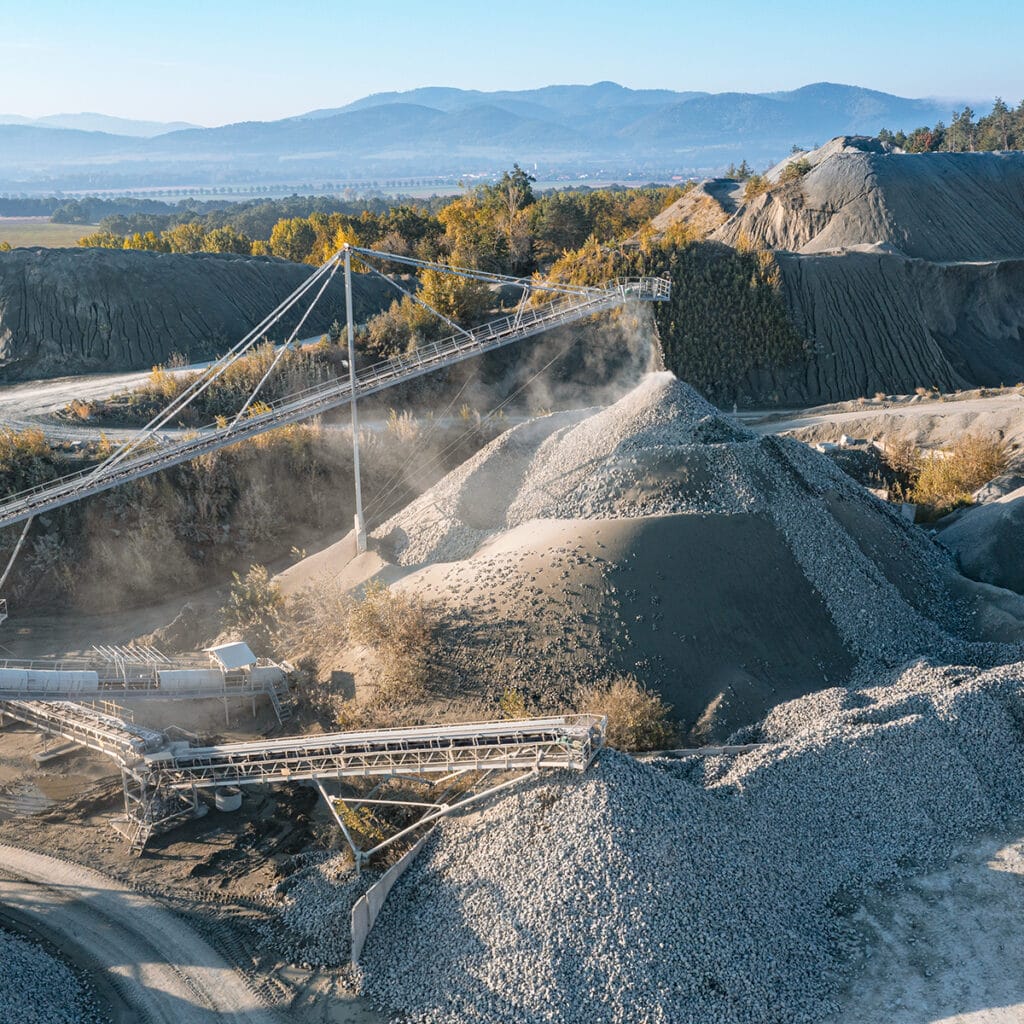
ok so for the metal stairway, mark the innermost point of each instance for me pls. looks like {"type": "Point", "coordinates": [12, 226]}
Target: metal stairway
{"type": "Point", "coordinates": [157, 454]}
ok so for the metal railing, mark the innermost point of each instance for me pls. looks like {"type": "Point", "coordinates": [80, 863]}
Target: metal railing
{"type": "Point", "coordinates": [564, 742]}
{"type": "Point", "coordinates": [123, 741]}
{"type": "Point", "coordinates": [158, 454]}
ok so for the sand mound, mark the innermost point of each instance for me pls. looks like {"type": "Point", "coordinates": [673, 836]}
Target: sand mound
{"type": "Point", "coordinates": [714, 890]}
{"type": "Point", "coordinates": [932, 206]}
{"type": "Point", "coordinates": [655, 536]}
{"type": "Point", "coordinates": [987, 541]}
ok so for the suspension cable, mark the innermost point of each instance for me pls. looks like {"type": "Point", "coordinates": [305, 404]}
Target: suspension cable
{"type": "Point", "coordinates": [284, 348]}
{"type": "Point", "coordinates": [210, 374]}
{"type": "Point", "coordinates": [14, 553]}
{"type": "Point", "coordinates": [419, 301]}
{"type": "Point", "coordinates": [477, 275]}
{"type": "Point", "coordinates": [437, 459]}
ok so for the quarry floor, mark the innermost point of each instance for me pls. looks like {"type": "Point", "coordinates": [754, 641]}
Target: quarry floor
{"type": "Point", "coordinates": [171, 936]}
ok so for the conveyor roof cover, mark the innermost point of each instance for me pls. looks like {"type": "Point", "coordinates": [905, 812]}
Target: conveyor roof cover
{"type": "Point", "coordinates": [232, 656]}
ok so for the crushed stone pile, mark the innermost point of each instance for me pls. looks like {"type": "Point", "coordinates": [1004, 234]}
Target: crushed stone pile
{"type": "Point", "coordinates": [986, 541]}
{"type": "Point", "coordinates": [35, 986]}
{"type": "Point", "coordinates": [705, 890]}
{"type": "Point", "coordinates": [312, 907]}
{"type": "Point", "coordinates": [658, 537]}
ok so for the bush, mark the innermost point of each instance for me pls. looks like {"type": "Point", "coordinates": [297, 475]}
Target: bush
{"type": "Point", "coordinates": [794, 171]}
{"type": "Point", "coordinates": [637, 718]}
{"type": "Point", "coordinates": [757, 184]}
{"type": "Point", "coordinates": [254, 608]}
{"type": "Point", "coordinates": [945, 480]}
{"type": "Point", "coordinates": [399, 628]}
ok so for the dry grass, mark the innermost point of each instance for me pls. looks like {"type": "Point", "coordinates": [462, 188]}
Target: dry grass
{"type": "Point", "coordinates": [399, 628]}
{"type": "Point", "coordinates": [27, 231]}
{"type": "Point", "coordinates": [943, 480]}
{"type": "Point", "coordinates": [946, 480]}
{"type": "Point", "coordinates": [637, 718]}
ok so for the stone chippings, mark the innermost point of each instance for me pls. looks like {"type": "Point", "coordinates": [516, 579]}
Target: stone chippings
{"type": "Point", "coordinates": [662, 449]}
{"type": "Point", "coordinates": [35, 986]}
{"type": "Point", "coordinates": [311, 908]}
{"type": "Point", "coordinates": [703, 890]}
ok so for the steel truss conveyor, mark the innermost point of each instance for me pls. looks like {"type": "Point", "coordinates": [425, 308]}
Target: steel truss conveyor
{"type": "Point", "coordinates": [158, 453]}
{"type": "Point", "coordinates": [163, 785]}
{"type": "Point", "coordinates": [563, 742]}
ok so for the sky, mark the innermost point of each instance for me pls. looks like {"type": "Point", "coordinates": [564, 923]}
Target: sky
{"type": "Point", "coordinates": [217, 61]}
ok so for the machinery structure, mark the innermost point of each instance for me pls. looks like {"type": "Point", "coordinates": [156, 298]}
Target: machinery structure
{"type": "Point", "coordinates": [163, 778]}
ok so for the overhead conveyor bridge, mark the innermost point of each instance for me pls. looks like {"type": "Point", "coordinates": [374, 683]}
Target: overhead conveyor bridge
{"type": "Point", "coordinates": [158, 453]}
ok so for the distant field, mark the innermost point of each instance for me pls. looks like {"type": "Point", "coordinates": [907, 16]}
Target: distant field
{"type": "Point", "coordinates": [39, 231]}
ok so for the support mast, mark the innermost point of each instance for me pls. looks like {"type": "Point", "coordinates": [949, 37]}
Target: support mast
{"type": "Point", "coordinates": [360, 524]}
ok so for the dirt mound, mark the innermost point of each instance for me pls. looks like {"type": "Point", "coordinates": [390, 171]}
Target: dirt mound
{"type": "Point", "coordinates": [67, 311]}
{"type": "Point", "coordinates": [703, 209]}
{"type": "Point", "coordinates": [656, 537]}
{"type": "Point", "coordinates": [933, 206]}
{"type": "Point", "coordinates": [882, 322]}
{"type": "Point", "coordinates": [897, 270]}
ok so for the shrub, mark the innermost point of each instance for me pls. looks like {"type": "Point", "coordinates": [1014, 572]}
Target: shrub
{"type": "Point", "coordinates": [254, 608]}
{"type": "Point", "coordinates": [901, 455]}
{"type": "Point", "coordinates": [757, 184]}
{"type": "Point", "coordinates": [400, 630]}
{"type": "Point", "coordinates": [945, 480]}
{"type": "Point", "coordinates": [637, 718]}
{"type": "Point", "coordinates": [315, 627]}
{"type": "Point", "coordinates": [794, 171]}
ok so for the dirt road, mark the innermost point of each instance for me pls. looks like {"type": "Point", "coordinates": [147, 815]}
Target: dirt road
{"type": "Point", "coordinates": [150, 965]}
{"type": "Point", "coordinates": [926, 420]}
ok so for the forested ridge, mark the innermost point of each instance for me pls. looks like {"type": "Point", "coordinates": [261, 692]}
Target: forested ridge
{"type": "Point", "coordinates": [1001, 129]}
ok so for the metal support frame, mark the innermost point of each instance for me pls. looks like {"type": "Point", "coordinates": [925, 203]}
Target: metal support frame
{"type": "Point", "coordinates": [161, 780]}
{"type": "Point", "coordinates": [432, 812]}
{"type": "Point", "coordinates": [359, 522]}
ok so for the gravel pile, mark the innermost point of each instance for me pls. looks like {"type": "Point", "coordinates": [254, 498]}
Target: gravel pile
{"type": "Point", "coordinates": [662, 449]}
{"type": "Point", "coordinates": [36, 988]}
{"type": "Point", "coordinates": [311, 925]}
{"type": "Point", "coordinates": [705, 890]}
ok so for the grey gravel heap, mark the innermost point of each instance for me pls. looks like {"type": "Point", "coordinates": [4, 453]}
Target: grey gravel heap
{"type": "Point", "coordinates": [313, 906]}
{"type": "Point", "coordinates": [36, 988]}
{"type": "Point", "coordinates": [662, 449]}
{"type": "Point", "coordinates": [702, 891]}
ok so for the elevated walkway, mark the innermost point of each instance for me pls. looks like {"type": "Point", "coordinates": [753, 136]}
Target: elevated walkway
{"type": "Point", "coordinates": [563, 742]}
{"type": "Point", "coordinates": [124, 742]}
{"type": "Point", "coordinates": [157, 454]}
{"type": "Point", "coordinates": [137, 673]}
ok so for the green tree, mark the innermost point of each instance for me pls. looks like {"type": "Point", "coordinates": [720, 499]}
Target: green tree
{"type": "Point", "coordinates": [227, 239]}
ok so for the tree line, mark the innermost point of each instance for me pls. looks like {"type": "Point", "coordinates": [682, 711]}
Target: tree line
{"type": "Point", "coordinates": [1001, 129]}
{"type": "Point", "coordinates": [504, 227]}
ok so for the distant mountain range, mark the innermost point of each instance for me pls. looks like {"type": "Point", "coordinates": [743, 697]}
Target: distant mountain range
{"type": "Point", "coordinates": [100, 123]}
{"type": "Point", "coordinates": [567, 131]}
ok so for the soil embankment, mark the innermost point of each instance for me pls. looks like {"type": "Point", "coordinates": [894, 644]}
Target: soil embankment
{"type": "Point", "coordinates": [899, 270]}
{"type": "Point", "coordinates": [68, 311]}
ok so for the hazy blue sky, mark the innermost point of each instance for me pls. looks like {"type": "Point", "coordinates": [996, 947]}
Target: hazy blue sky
{"type": "Point", "coordinates": [213, 61]}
